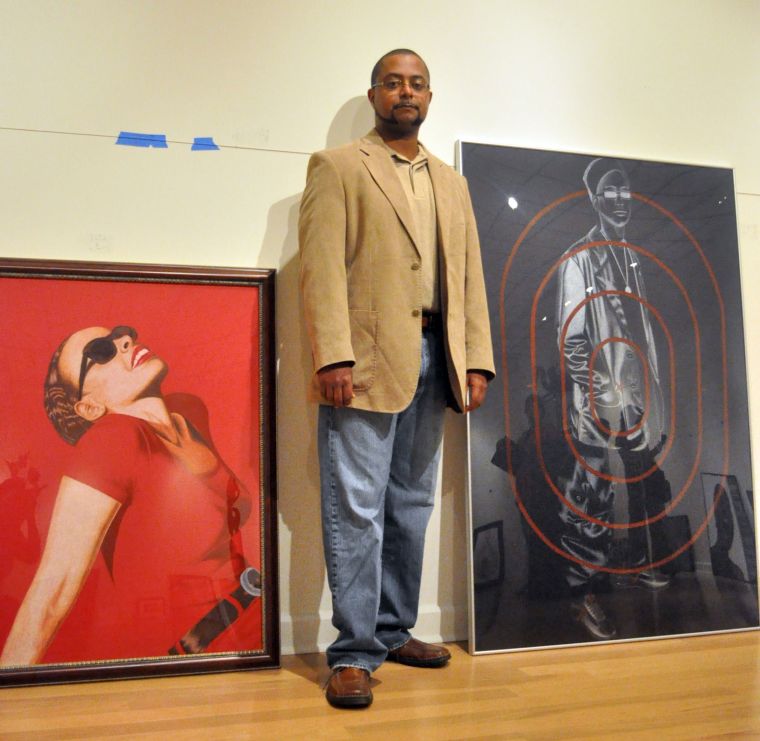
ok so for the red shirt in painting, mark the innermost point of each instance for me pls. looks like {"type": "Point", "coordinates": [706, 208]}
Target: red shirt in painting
{"type": "Point", "coordinates": [172, 553]}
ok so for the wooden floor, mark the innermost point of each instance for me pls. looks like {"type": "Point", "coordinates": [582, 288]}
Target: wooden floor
{"type": "Point", "coordinates": [686, 688]}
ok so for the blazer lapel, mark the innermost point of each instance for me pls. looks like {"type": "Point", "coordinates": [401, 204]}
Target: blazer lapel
{"type": "Point", "coordinates": [442, 191]}
{"type": "Point", "coordinates": [381, 168]}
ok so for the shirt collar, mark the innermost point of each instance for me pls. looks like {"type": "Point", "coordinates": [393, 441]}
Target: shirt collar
{"type": "Point", "coordinates": [420, 159]}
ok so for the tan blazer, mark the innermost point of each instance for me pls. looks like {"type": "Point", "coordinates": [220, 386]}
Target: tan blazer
{"type": "Point", "coordinates": [360, 276]}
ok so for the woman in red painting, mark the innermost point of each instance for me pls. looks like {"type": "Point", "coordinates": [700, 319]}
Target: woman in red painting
{"type": "Point", "coordinates": [146, 508]}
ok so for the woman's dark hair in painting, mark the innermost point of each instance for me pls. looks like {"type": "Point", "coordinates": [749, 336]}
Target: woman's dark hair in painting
{"type": "Point", "coordinates": [59, 400]}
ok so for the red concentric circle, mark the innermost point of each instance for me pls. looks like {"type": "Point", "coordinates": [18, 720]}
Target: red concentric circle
{"type": "Point", "coordinates": [724, 377]}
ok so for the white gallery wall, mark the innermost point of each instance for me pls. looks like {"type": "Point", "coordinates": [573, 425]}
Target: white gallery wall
{"type": "Point", "coordinates": [273, 80]}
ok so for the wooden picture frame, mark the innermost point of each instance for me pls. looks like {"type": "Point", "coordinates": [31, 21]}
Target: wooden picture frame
{"type": "Point", "coordinates": [138, 432]}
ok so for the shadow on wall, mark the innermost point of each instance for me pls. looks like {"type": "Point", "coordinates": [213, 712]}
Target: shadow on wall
{"type": "Point", "coordinates": [298, 469]}
{"type": "Point", "coordinates": [452, 570]}
{"type": "Point", "coordinates": [302, 575]}
{"type": "Point", "coordinates": [353, 120]}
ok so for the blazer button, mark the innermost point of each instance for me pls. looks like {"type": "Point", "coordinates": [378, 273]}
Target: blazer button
{"type": "Point", "coordinates": [415, 266]}
{"type": "Point", "coordinates": [415, 312]}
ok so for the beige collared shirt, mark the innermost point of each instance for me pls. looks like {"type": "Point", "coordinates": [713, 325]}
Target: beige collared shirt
{"type": "Point", "coordinates": [415, 180]}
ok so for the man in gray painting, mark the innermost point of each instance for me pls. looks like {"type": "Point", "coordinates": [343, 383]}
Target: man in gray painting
{"type": "Point", "coordinates": [614, 399]}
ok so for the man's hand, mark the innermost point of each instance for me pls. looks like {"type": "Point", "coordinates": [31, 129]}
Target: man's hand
{"type": "Point", "coordinates": [336, 384]}
{"type": "Point", "coordinates": [477, 385]}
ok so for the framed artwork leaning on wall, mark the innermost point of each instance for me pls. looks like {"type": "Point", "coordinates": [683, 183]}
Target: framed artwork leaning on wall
{"type": "Point", "coordinates": [614, 445]}
{"type": "Point", "coordinates": [137, 471]}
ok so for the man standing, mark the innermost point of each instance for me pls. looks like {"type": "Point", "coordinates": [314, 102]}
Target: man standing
{"type": "Point", "coordinates": [615, 399]}
{"type": "Point", "coordinates": [395, 307]}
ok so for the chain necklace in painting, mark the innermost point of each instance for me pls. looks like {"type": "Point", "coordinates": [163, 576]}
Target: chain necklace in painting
{"type": "Point", "coordinates": [623, 273]}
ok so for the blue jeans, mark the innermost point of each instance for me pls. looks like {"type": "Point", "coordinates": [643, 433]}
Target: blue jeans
{"type": "Point", "coordinates": [378, 473]}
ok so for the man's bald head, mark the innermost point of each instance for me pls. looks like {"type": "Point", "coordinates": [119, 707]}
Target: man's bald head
{"type": "Point", "coordinates": [379, 64]}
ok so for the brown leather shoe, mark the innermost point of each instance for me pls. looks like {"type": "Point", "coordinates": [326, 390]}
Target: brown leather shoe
{"type": "Point", "coordinates": [418, 653]}
{"type": "Point", "coordinates": [349, 688]}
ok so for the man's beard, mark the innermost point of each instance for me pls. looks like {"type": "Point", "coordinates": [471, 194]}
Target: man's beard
{"type": "Point", "coordinates": [393, 122]}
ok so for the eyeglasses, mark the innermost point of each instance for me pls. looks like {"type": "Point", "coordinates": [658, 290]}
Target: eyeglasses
{"type": "Point", "coordinates": [101, 350]}
{"type": "Point", "coordinates": [418, 84]}
{"type": "Point", "coordinates": [611, 193]}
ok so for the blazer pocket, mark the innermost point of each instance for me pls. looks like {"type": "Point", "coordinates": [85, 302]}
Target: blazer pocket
{"type": "Point", "coordinates": [364, 344]}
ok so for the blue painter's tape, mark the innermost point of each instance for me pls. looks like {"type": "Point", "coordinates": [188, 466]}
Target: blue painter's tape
{"type": "Point", "coordinates": [133, 139]}
{"type": "Point", "coordinates": [203, 144]}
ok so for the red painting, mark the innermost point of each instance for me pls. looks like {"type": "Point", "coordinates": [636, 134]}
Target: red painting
{"type": "Point", "coordinates": [136, 485]}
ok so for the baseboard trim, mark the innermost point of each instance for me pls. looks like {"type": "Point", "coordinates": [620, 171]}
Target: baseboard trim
{"type": "Point", "coordinates": [305, 634]}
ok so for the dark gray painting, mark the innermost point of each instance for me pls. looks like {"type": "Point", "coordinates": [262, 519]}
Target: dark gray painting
{"type": "Point", "coordinates": [610, 467]}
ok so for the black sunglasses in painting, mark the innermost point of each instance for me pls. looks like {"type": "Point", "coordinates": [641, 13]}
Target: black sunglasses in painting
{"type": "Point", "coordinates": [101, 350]}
